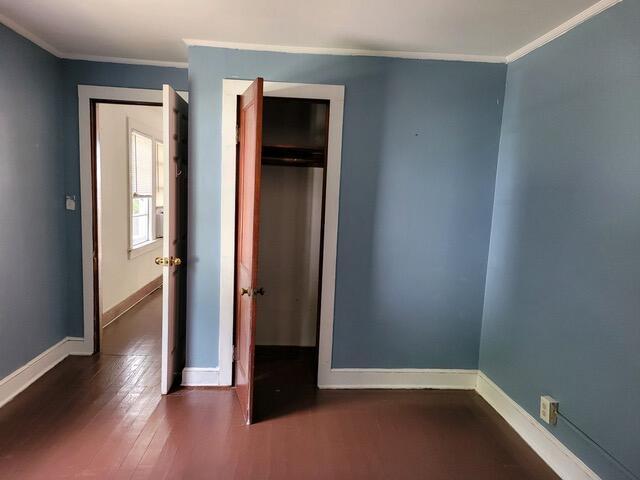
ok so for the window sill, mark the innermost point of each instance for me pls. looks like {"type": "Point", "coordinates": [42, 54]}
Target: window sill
{"type": "Point", "coordinates": [144, 248]}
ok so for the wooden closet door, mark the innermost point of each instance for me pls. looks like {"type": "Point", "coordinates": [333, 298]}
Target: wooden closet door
{"type": "Point", "coordinates": [248, 225]}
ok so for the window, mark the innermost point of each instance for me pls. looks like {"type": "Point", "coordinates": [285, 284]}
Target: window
{"type": "Point", "coordinates": [159, 175]}
{"type": "Point", "coordinates": [146, 187]}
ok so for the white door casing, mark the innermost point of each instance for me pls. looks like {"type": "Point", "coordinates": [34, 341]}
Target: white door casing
{"type": "Point", "coordinates": [231, 88]}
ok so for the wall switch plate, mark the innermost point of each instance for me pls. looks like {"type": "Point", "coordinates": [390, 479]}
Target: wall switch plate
{"type": "Point", "coordinates": [70, 202]}
{"type": "Point", "coordinates": [549, 409]}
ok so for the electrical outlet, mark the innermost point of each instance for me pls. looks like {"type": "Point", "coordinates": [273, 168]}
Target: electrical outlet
{"type": "Point", "coordinates": [549, 409]}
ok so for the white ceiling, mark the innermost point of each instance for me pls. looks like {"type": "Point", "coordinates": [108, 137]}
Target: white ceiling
{"type": "Point", "coordinates": [154, 30]}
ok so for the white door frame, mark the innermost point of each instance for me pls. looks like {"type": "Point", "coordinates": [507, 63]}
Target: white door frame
{"type": "Point", "coordinates": [231, 88]}
{"type": "Point", "coordinates": [86, 93]}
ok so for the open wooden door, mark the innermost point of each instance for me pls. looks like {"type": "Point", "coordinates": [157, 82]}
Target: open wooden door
{"type": "Point", "coordinates": [174, 130]}
{"type": "Point", "coordinates": [247, 225]}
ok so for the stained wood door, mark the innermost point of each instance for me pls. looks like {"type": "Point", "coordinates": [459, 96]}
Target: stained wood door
{"type": "Point", "coordinates": [174, 130]}
{"type": "Point", "coordinates": [248, 225]}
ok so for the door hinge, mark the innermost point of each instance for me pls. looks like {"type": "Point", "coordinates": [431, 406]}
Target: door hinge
{"type": "Point", "coordinates": [237, 134]}
{"type": "Point", "coordinates": [234, 355]}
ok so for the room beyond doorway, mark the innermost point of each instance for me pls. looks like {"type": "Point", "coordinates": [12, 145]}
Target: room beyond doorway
{"type": "Point", "coordinates": [129, 154]}
{"type": "Point", "coordinates": [136, 332]}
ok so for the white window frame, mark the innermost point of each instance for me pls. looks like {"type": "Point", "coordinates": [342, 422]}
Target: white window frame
{"type": "Point", "coordinates": [135, 126]}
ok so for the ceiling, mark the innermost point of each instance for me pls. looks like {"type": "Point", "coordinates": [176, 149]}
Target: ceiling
{"type": "Point", "coordinates": [155, 30]}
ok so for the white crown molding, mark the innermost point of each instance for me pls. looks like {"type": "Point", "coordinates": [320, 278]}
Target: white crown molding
{"type": "Point", "coordinates": [20, 30]}
{"type": "Point", "coordinates": [260, 47]}
{"type": "Point", "coordinates": [582, 17]}
{"type": "Point", "coordinates": [560, 30]}
{"type": "Point", "coordinates": [128, 61]}
{"type": "Point", "coordinates": [554, 453]}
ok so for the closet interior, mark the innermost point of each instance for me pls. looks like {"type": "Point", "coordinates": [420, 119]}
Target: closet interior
{"type": "Point", "coordinates": [294, 155]}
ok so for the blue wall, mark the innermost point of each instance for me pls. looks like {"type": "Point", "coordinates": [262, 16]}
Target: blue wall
{"type": "Point", "coordinates": [419, 157]}
{"type": "Point", "coordinates": [74, 73]}
{"type": "Point", "coordinates": [420, 144]}
{"type": "Point", "coordinates": [562, 307]}
{"type": "Point", "coordinates": [41, 279]}
{"type": "Point", "coordinates": [32, 229]}
{"type": "Point", "coordinates": [562, 297]}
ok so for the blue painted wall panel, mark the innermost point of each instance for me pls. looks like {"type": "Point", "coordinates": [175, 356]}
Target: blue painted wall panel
{"type": "Point", "coordinates": [78, 72]}
{"type": "Point", "coordinates": [562, 304]}
{"type": "Point", "coordinates": [32, 227]}
{"type": "Point", "coordinates": [420, 144]}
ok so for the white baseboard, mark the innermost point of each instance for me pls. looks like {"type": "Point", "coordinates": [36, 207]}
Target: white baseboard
{"type": "Point", "coordinates": [547, 446]}
{"type": "Point", "coordinates": [200, 377]}
{"type": "Point", "coordinates": [401, 378]}
{"type": "Point", "coordinates": [16, 382]}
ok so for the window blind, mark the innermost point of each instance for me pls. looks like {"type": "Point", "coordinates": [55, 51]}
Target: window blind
{"type": "Point", "coordinates": [141, 165]}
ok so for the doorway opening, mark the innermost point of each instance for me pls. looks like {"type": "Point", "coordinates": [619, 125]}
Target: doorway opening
{"type": "Point", "coordinates": [153, 162]}
{"type": "Point", "coordinates": [294, 154]}
{"type": "Point", "coordinates": [280, 223]}
{"type": "Point", "coordinates": [129, 153]}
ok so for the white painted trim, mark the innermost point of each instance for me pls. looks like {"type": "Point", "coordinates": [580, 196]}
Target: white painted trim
{"type": "Point", "coordinates": [144, 247]}
{"type": "Point", "coordinates": [230, 90]}
{"type": "Point", "coordinates": [20, 30]}
{"type": "Point", "coordinates": [562, 460]}
{"type": "Point", "coordinates": [85, 94]}
{"type": "Point", "coordinates": [402, 378]}
{"type": "Point", "coordinates": [200, 377]}
{"type": "Point", "coordinates": [261, 47]}
{"type": "Point", "coordinates": [551, 450]}
{"type": "Point", "coordinates": [17, 381]}
{"type": "Point", "coordinates": [560, 30]}
{"type": "Point", "coordinates": [126, 61]}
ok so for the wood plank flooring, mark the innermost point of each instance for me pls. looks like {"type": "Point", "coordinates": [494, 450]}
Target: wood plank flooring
{"type": "Point", "coordinates": [103, 417]}
{"type": "Point", "coordinates": [138, 331]}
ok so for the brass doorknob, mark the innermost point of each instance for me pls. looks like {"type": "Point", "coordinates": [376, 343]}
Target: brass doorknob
{"type": "Point", "coordinates": [251, 292]}
{"type": "Point", "coordinates": [168, 261]}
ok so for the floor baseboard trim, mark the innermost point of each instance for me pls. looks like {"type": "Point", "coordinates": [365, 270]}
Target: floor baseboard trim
{"type": "Point", "coordinates": [400, 378]}
{"type": "Point", "coordinates": [562, 460]}
{"type": "Point", "coordinates": [20, 379]}
{"type": "Point", "coordinates": [115, 312]}
{"type": "Point", "coordinates": [200, 377]}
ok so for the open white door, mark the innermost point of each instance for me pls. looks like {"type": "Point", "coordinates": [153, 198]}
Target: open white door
{"type": "Point", "coordinates": [175, 129]}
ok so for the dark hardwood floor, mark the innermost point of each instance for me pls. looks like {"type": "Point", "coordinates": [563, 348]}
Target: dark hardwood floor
{"type": "Point", "coordinates": [102, 417]}
{"type": "Point", "coordinates": [138, 331]}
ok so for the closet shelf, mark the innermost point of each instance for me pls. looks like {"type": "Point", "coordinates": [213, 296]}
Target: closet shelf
{"type": "Point", "coordinates": [292, 155]}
